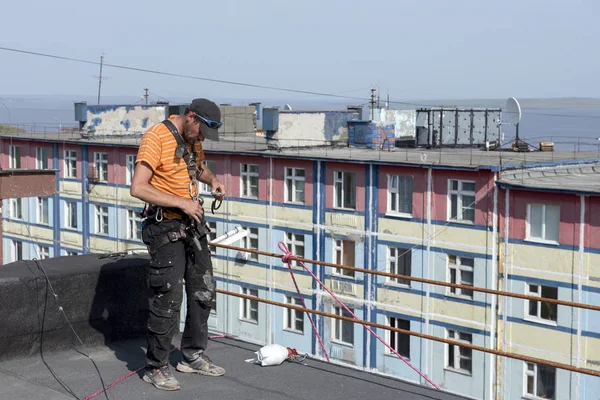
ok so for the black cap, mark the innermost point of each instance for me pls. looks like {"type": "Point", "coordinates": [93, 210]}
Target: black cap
{"type": "Point", "coordinates": [209, 110]}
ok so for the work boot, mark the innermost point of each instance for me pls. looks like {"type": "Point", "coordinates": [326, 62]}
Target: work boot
{"type": "Point", "coordinates": [201, 365]}
{"type": "Point", "coordinates": [161, 378]}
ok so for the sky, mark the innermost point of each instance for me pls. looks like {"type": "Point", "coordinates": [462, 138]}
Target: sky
{"type": "Point", "coordinates": [436, 49]}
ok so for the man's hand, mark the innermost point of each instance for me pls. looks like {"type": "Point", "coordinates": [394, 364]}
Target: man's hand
{"type": "Point", "coordinates": [218, 189]}
{"type": "Point", "coordinates": [192, 208]}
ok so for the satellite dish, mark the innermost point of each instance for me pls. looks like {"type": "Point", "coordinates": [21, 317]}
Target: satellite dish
{"type": "Point", "coordinates": [512, 113]}
{"type": "Point", "coordinates": [287, 107]}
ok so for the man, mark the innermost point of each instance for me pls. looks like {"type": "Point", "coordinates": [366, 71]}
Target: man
{"type": "Point", "coordinates": [168, 168]}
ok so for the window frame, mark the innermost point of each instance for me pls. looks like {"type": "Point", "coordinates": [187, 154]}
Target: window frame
{"type": "Point", "coordinates": [40, 202]}
{"type": "Point", "coordinates": [246, 305]}
{"type": "Point", "coordinates": [401, 253]}
{"type": "Point", "coordinates": [543, 239]}
{"type": "Point", "coordinates": [16, 208]}
{"type": "Point", "coordinates": [14, 156]}
{"type": "Point", "coordinates": [397, 337]}
{"type": "Point", "coordinates": [455, 335]}
{"type": "Point", "coordinates": [538, 318]}
{"type": "Point", "coordinates": [459, 268]}
{"type": "Point", "coordinates": [71, 213]}
{"type": "Point", "coordinates": [293, 244]}
{"type": "Point", "coordinates": [460, 192]}
{"type": "Point", "coordinates": [534, 374]}
{"type": "Point", "coordinates": [129, 167]}
{"type": "Point", "coordinates": [98, 215]}
{"type": "Point", "coordinates": [291, 179]}
{"type": "Point", "coordinates": [246, 180]}
{"type": "Point", "coordinates": [253, 234]}
{"type": "Point", "coordinates": [101, 165]}
{"type": "Point", "coordinates": [41, 162]}
{"type": "Point", "coordinates": [391, 204]}
{"type": "Point", "coordinates": [212, 166]}
{"type": "Point", "coordinates": [133, 219]}
{"type": "Point", "coordinates": [338, 248]}
{"type": "Point", "coordinates": [291, 317]}
{"type": "Point", "coordinates": [70, 164]}
{"type": "Point", "coordinates": [337, 328]}
{"type": "Point", "coordinates": [43, 252]}
{"type": "Point", "coordinates": [340, 181]}
{"type": "Point", "coordinates": [16, 250]}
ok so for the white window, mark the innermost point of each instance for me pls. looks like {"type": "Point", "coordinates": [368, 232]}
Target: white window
{"type": "Point", "coordinates": [343, 331]}
{"type": "Point", "coordinates": [399, 261]}
{"type": "Point", "coordinates": [42, 210]}
{"type": "Point", "coordinates": [542, 310]}
{"type": "Point", "coordinates": [398, 341]}
{"type": "Point", "coordinates": [70, 158]}
{"type": "Point", "coordinates": [251, 242]}
{"type": "Point", "coordinates": [540, 381]}
{"type": "Point", "coordinates": [459, 358]}
{"type": "Point", "coordinates": [212, 235]}
{"type": "Point", "coordinates": [400, 194]}
{"type": "Point", "coordinates": [101, 219]}
{"type": "Point", "coordinates": [17, 250]}
{"type": "Point", "coordinates": [249, 177]}
{"type": "Point", "coordinates": [294, 185]}
{"type": "Point", "coordinates": [344, 189]}
{"type": "Point", "coordinates": [249, 308]}
{"type": "Point", "coordinates": [293, 320]}
{"type": "Point", "coordinates": [101, 164]}
{"type": "Point", "coordinates": [343, 253]}
{"type": "Point", "coordinates": [16, 208]}
{"type": "Point", "coordinates": [212, 166]}
{"type": "Point", "coordinates": [295, 244]}
{"type": "Point", "coordinates": [43, 252]}
{"type": "Point", "coordinates": [543, 222]}
{"type": "Point", "coordinates": [130, 166]}
{"type": "Point", "coordinates": [134, 225]}
{"type": "Point", "coordinates": [460, 271]}
{"type": "Point", "coordinates": [41, 158]}
{"type": "Point", "coordinates": [461, 200]}
{"type": "Point", "coordinates": [71, 214]}
{"type": "Point", "coordinates": [14, 160]}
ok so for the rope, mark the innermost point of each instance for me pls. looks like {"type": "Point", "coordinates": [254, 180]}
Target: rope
{"type": "Point", "coordinates": [287, 253]}
{"type": "Point", "coordinates": [286, 259]}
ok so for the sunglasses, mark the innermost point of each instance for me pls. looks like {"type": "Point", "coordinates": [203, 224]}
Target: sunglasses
{"type": "Point", "coordinates": [209, 123]}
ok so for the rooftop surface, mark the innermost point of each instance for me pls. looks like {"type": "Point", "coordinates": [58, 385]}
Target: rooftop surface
{"type": "Point", "coordinates": [468, 158]}
{"type": "Point", "coordinates": [572, 178]}
{"type": "Point", "coordinates": [30, 379]}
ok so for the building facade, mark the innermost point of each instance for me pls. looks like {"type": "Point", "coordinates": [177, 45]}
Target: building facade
{"type": "Point", "coordinates": [458, 222]}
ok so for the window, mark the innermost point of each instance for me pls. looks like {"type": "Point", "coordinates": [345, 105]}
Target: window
{"type": "Point", "coordinates": [71, 253]}
{"type": "Point", "coordinates": [70, 164]}
{"type": "Point", "coordinates": [17, 250]}
{"type": "Point", "coordinates": [71, 214]}
{"type": "Point", "coordinates": [343, 331]}
{"type": "Point", "coordinates": [460, 271]}
{"type": "Point", "coordinates": [459, 358]}
{"type": "Point", "coordinates": [293, 320]}
{"type": "Point", "coordinates": [14, 160]}
{"type": "Point", "coordinates": [212, 235]}
{"type": "Point", "coordinates": [101, 164]}
{"type": "Point", "coordinates": [540, 381]}
{"type": "Point", "coordinates": [543, 222]}
{"type": "Point", "coordinates": [101, 220]}
{"type": "Point", "coordinates": [251, 242]}
{"type": "Point", "coordinates": [249, 176]}
{"type": "Point", "coordinates": [249, 308]}
{"type": "Point", "coordinates": [42, 210]}
{"type": "Point", "coordinates": [43, 252]}
{"type": "Point", "coordinates": [399, 262]}
{"type": "Point", "coordinates": [41, 158]}
{"type": "Point", "coordinates": [16, 208]}
{"type": "Point", "coordinates": [461, 196]}
{"type": "Point", "coordinates": [134, 225]}
{"type": "Point", "coordinates": [398, 341]}
{"type": "Point", "coordinates": [344, 188]}
{"type": "Point", "coordinates": [540, 309]}
{"type": "Point", "coordinates": [130, 166]}
{"type": "Point", "coordinates": [294, 185]}
{"type": "Point", "coordinates": [343, 253]}
{"type": "Point", "coordinates": [295, 244]}
{"type": "Point", "coordinates": [212, 166]}
{"type": "Point", "coordinates": [400, 194]}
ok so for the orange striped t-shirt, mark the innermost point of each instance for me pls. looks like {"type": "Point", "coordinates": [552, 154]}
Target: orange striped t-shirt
{"type": "Point", "coordinates": [157, 149]}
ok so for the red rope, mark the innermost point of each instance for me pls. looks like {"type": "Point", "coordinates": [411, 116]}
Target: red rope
{"type": "Point", "coordinates": [286, 259]}
{"type": "Point", "coordinates": [287, 256]}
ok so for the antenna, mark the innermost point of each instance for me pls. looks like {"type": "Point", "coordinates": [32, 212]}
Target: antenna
{"type": "Point", "coordinates": [372, 104]}
{"type": "Point", "coordinates": [513, 114]}
{"type": "Point", "coordinates": [100, 78]}
{"type": "Point", "coordinates": [146, 95]}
